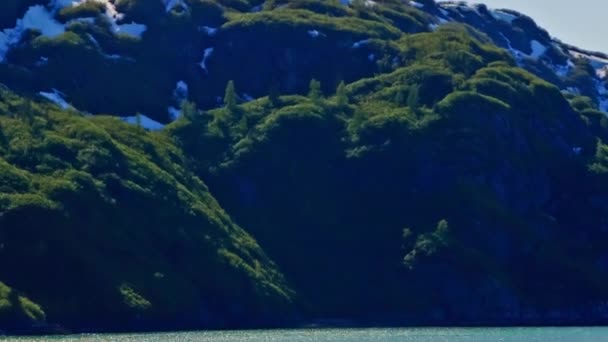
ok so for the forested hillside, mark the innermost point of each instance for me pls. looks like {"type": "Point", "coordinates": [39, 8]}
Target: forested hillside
{"type": "Point", "coordinates": [192, 164]}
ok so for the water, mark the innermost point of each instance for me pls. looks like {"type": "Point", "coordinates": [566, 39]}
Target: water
{"type": "Point", "coordinates": [357, 335]}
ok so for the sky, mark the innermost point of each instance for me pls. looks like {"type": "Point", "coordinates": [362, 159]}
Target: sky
{"type": "Point", "coordinates": [581, 23]}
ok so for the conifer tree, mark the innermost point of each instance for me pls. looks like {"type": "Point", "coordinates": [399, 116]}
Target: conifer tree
{"type": "Point", "coordinates": [315, 93]}
{"type": "Point", "coordinates": [189, 111]}
{"type": "Point", "coordinates": [413, 98]}
{"type": "Point", "coordinates": [273, 96]}
{"type": "Point", "coordinates": [138, 120]}
{"type": "Point", "coordinates": [230, 96]}
{"type": "Point", "coordinates": [341, 95]}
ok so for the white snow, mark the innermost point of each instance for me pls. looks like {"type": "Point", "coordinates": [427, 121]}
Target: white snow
{"type": "Point", "coordinates": [39, 18]}
{"type": "Point", "coordinates": [180, 94]}
{"type": "Point", "coordinates": [111, 11]}
{"type": "Point", "coordinates": [503, 16]}
{"type": "Point", "coordinates": [210, 31]}
{"type": "Point", "coordinates": [416, 4]}
{"type": "Point", "coordinates": [603, 105]}
{"type": "Point", "coordinates": [247, 98]}
{"type": "Point", "coordinates": [368, 3]}
{"type": "Point", "coordinates": [132, 29]}
{"type": "Point", "coordinates": [181, 91]}
{"type": "Point", "coordinates": [564, 70]}
{"type": "Point", "coordinates": [203, 63]}
{"type": "Point", "coordinates": [596, 61]}
{"type": "Point", "coordinates": [36, 18]}
{"type": "Point", "coordinates": [538, 49]}
{"type": "Point", "coordinates": [602, 92]}
{"type": "Point", "coordinates": [145, 121]}
{"type": "Point", "coordinates": [174, 113]}
{"type": "Point", "coordinates": [371, 57]}
{"type": "Point", "coordinates": [170, 4]}
{"type": "Point", "coordinates": [42, 61]}
{"type": "Point", "coordinates": [314, 33]}
{"type": "Point", "coordinates": [602, 72]}
{"type": "Point", "coordinates": [360, 43]}
{"type": "Point", "coordinates": [573, 90]}
{"type": "Point", "coordinates": [56, 97]}
{"type": "Point", "coordinates": [599, 63]}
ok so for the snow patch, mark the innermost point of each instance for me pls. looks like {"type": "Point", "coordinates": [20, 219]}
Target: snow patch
{"type": "Point", "coordinates": [360, 43]}
{"type": "Point", "coordinates": [564, 70]}
{"type": "Point", "coordinates": [174, 113]}
{"type": "Point", "coordinates": [56, 97]}
{"type": "Point", "coordinates": [572, 90]}
{"type": "Point", "coordinates": [171, 4]}
{"type": "Point", "coordinates": [315, 34]}
{"type": "Point", "coordinates": [145, 122]}
{"type": "Point", "coordinates": [180, 94]}
{"type": "Point", "coordinates": [203, 63]}
{"type": "Point", "coordinates": [210, 31]}
{"type": "Point", "coordinates": [416, 4]}
{"type": "Point", "coordinates": [602, 72]}
{"type": "Point", "coordinates": [538, 49]}
{"type": "Point", "coordinates": [247, 98]}
{"type": "Point", "coordinates": [603, 105]}
{"type": "Point", "coordinates": [36, 18]}
{"type": "Point", "coordinates": [442, 21]}
{"type": "Point", "coordinates": [503, 16]}
{"type": "Point", "coordinates": [42, 61]}
{"type": "Point", "coordinates": [600, 64]}
{"type": "Point", "coordinates": [132, 29]}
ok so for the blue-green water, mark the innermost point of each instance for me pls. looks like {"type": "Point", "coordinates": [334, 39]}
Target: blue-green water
{"type": "Point", "coordinates": [358, 335]}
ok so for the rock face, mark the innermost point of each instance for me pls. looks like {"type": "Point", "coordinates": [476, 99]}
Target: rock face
{"type": "Point", "coordinates": [278, 162]}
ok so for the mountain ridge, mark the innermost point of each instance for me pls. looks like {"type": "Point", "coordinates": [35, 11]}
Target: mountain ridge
{"type": "Point", "coordinates": [276, 162]}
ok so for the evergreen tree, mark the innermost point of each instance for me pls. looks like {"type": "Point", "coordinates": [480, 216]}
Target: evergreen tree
{"type": "Point", "coordinates": [400, 97]}
{"type": "Point", "coordinates": [3, 140]}
{"type": "Point", "coordinates": [26, 111]}
{"type": "Point", "coordinates": [355, 123]}
{"type": "Point", "coordinates": [138, 120]}
{"type": "Point", "coordinates": [273, 96]}
{"type": "Point", "coordinates": [358, 5]}
{"type": "Point", "coordinates": [230, 96]}
{"type": "Point", "coordinates": [341, 95]}
{"type": "Point", "coordinates": [189, 111]}
{"type": "Point", "coordinates": [413, 98]}
{"type": "Point", "coordinates": [315, 93]}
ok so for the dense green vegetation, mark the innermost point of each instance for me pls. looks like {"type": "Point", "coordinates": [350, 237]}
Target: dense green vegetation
{"type": "Point", "coordinates": [103, 226]}
{"type": "Point", "coordinates": [385, 173]}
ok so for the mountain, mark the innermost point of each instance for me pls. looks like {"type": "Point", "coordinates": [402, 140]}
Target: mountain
{"type": "Point", "coordinates": [191, 164]}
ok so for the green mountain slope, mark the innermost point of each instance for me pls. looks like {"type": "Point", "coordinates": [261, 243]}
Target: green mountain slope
{"type": "Point", "coordinates": [349, 188]}
{"type": "Point", "coordinates": [104, 227]}
{"type": "Point", "coordinates": [386, 167]}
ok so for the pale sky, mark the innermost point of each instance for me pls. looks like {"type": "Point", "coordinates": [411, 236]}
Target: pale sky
{"type": "Point", "coordinates": [583, 23]}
